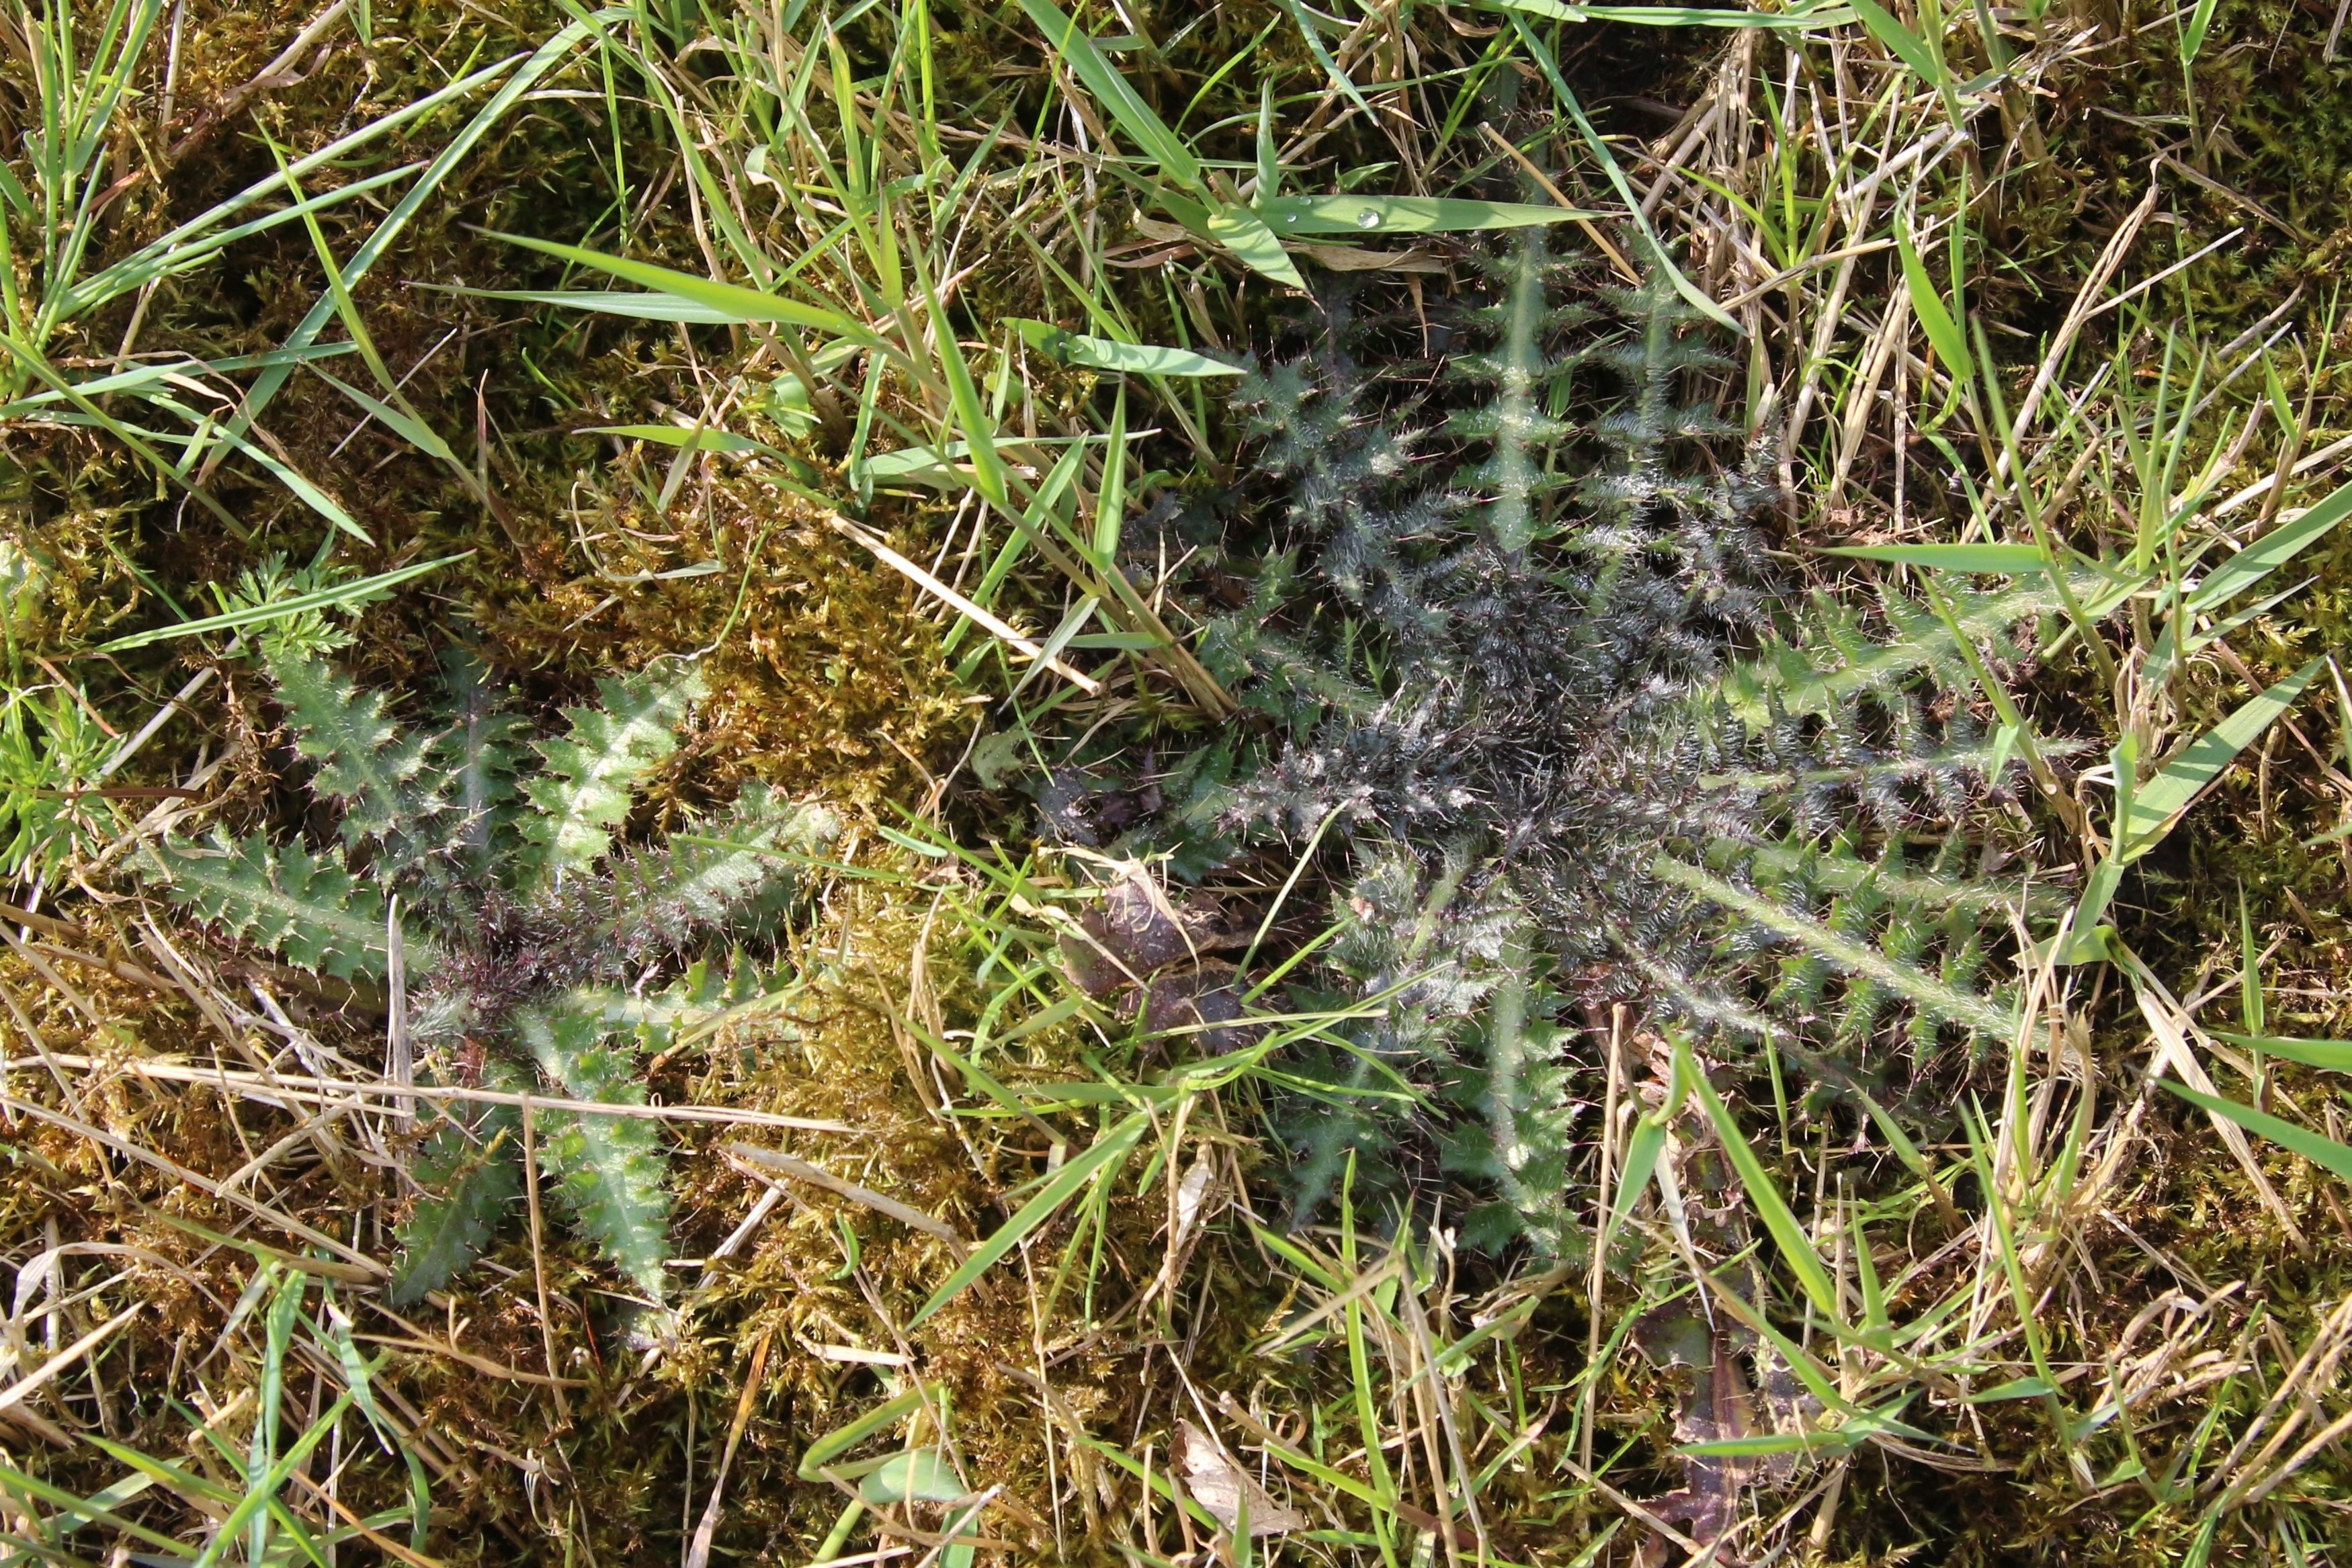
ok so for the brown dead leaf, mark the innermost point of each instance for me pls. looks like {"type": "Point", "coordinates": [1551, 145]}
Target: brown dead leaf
{"type": "Point", "coordinates": [1220, 1486]}
{"type": "Point", "coordinates": [1356, 258]}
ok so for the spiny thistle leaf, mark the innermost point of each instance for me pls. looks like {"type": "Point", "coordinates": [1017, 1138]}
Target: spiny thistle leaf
{"type": "Point", "coordinates": [1520, 430]}
{"type": "Point", "coordinates": [1521, 1143]}
{"type": "Point", "coordinates": [1935, 996]}
{"type": "Point", "coordinates": [478, 755]}
{"type": "Point", "coordinates": [1463, 648]}
{"type": "Point", "coordinates": [716, 878]}
{"type": "Point", "coordinates": [307, 909]}
{"type": "Point", "coordinates": [608, 1170]}
{"type": "Point", "coordinates": [584, 793]}
{"type": "Point", "coordinates": [366, 764]}
{"type": "Point", "coordinates": [471, 1171]}
{"type": "Point", "coordinates": [1831, 659]}
{"type": "Point", "coordinates": [533, 943]}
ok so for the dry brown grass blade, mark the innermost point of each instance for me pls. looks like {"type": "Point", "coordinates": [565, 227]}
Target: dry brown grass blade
{"type": "Point", "coordinates": [698, 1553]}
{"type": "Point", "coordinates": [964, 607]}
{"type": "Point", "coordinates": [177, 1172]}
{"type": "Point", "coordinates": [327, 1091]}
{"type": "Point", "coordinates": [801, 1170]}
{"type": "Point", "coordinates": [2169, 1025]}
{"type": "Point", "coordinates": [65, 1360]}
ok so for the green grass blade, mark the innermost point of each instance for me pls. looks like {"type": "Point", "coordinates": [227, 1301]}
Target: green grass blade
{"type": "Point", "coordinates": [2192, 36]}
{"type": "Point", "coordinates": [730, 301]}
{"type": "Point", "coordinates": [2335, 1055]}
{"type": "Point", "coordinates": [841, 1439]}
{"type": "Point", "coordinates": [520, 80]}
{"type": "Point", "coordinates": [1107, 354]}
{"type": "Point", "coordinates": [1548, 64]}
{"type": "Point", "coordinates": [1641, 1158]}
{"type": "Point", "coordinates": [2012, 561]}
{"type": "Point", "coordinates": [1765, 1194]}
{"type": "Point", "coordinates": [264, 1489]}
{"type": "Point", "coordinates": [2269, 552]}
{"type": "Point", "coordinates": [413, 431]}
{"type": "Point", "coordinates": [1114, 92]}
{"type": "Point", "coordinates": [1675, 15]}
{"type": "Point", "coordinates": [1405, 215]}
{"type": "Point", "coordinates": [339, 596]}
{"type": "Point", "coordinates": [2320, 1149]}
{"type": "Point", "coordinates": [197, 248]}
{"type": "Point", "coordinates": [705, 439]}
{"type": "Point", "coordinates": [2158, 803]}
{"type": "Point", "coordinates": [1944, 334]}
{"type": "Point", "coordinates": [635, 304]}
{"type": "Point", "coordinates": [1315, 45]}
{"type": "Point", "coordinates": [164, 253]}
{"type": "Point", "coordinates": [297, 484]}
{"type": "Point", "coordinates": [1112, 1146]}
{"type": "Point", "coordinates": [84, 1510]}
{"type": "Point", "coordinates": [1906, 46]}
{"type": "Point", "coordinates": [1253, 243]}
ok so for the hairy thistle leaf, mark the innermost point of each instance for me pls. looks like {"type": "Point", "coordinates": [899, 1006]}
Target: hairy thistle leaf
{"type": "Point", "coordinates": [607, 1170]}
{"type": "Point", "coordinates": [1521, 1145]}
{"type": "Point", "coordinates": [471, 1171]}
{"type": "Point", "coordinates": [1879, 971]}
{"type": "Point", "coordinates": [1831, 659]}
{"type": "Point", "coordinates": [1506, 655]}
{"type": "Point", "coordinates": [584, 793]}
{"type": "Point", "coordinates": [307, 909]}
{"type": "Point", "coordinates": [366, 764]}
{"type": "Point", "coordinates": [729, 873]}
{"type": "Point", "coordinates": [478, 755]}
{"type": "Point", "coordinates": [1515, 424]}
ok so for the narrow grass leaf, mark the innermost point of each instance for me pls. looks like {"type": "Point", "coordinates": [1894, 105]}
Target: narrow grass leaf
{"type": "Point", "coordinates": [335, 598]}
{"type": "Point", "coordinates": [706, 439]}
{"type": "Point", "coordinates": [1406, 215]}
{"type": "Point", "coordinates": [731, 300]}
{"type": "Point", "coordinates": [197, 1489]}
{"type": "Point", "coordinates": [1765, 1194]}
{"type": "Point", "coordinates": [2269, 552]}
{"type": "Point", "coordinates": [919, 1475]}
{"type": "Point", "coordinates": [2012, 561]}
{"type": "Point", "coordinates": [1906, 46]}
{"type": "Point", "coordinates": [936, 465]}
{"type": "Point", "coordinates": [1114, 92]}
{"type": "Point", "coordinates": [1641, 1158]}
{"type": "Point", "coordinates": [2320, 1149]}
{"type": "Point", "coordinates": [83, 1511]}
{"type": "Point", "coordinates": [636, 304]}
{"type": "Point", "coordinates": [380, 239]}
{"type": "Point", "coordinates": [300, 487]}
{"type": "Point", "coordinates": [1796, 17]}
{"type": "Point", "coordinates": [1944, 333]}
{"type": "Point", "coordinates": [841, 1439]}
{"type": "Point", "coordinates": [1766, 1444]}
{"type": "Point", "coordinates": [1253, 243]}
{"type": "Point", "coordinates": [1548, 64]}
{"type": "Point", "coordinates": [2333, 1054]}
{"type": "Point", "coordinates": [1111, 1146]}
{"type": "Point", "coordinates": [1316, 46]}
{"type": "Point", "coordinates": [263, 1489]}
{"type": "Point", "coordinates": [2156, 805]}
{"type": "Point", "coordinates": [416, 432]}
{"type": "Point", "coordinates": [2192, 36]}
{"type": "Point", "coordinates": [1107, 354]}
